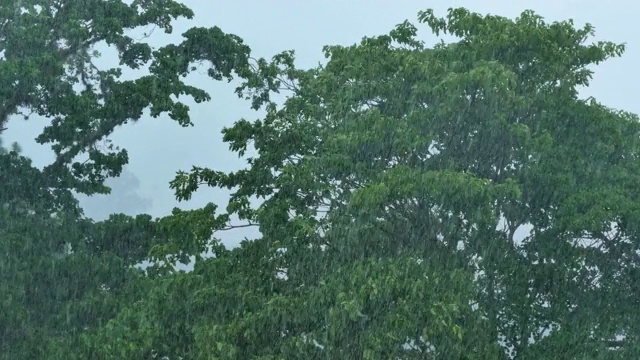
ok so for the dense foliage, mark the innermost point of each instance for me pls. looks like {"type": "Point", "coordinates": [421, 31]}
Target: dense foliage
{"type": "Point", "coordinates": [392, 182]}
{"type": "Point", "coordinates": [64, 277]}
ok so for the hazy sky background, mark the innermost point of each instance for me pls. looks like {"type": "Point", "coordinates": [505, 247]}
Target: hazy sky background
{"type": "Point", "coordinates": [160, 147]}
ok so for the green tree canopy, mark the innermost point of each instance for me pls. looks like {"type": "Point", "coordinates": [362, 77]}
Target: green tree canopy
{"type": "Point", "coordinates": [392, 181]}
{"type": "Point", "coordinates": [47, 68]}
{"type": "Point", "coordinates": [63, 276]}
{"type": "Point", "coordinates": [394, 151]}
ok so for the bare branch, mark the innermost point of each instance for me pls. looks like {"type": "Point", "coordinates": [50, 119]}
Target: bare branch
{"type": "Point", "coordinates": [231, 227]}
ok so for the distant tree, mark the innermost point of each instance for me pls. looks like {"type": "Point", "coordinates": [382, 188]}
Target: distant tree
{"type": "Point", "coordinates": [123, 198]}
{"type": "Point", "coordinates": [14, 147]}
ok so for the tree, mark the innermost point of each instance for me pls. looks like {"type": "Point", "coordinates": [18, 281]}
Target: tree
{"type": "Point", "coordinates": [64, 276]}
{"type": "Point", "coordinates": [124, 198]}
{"type": "Point", "coordinates": [393, 152]}
{"type": "Point", "coordinates": [393, 179]}
{"type": "Point", "coordinates": [48, 48]}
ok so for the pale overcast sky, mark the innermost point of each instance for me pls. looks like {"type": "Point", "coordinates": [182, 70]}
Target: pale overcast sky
{"type": "Point", "coordinates": [159, 147]}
